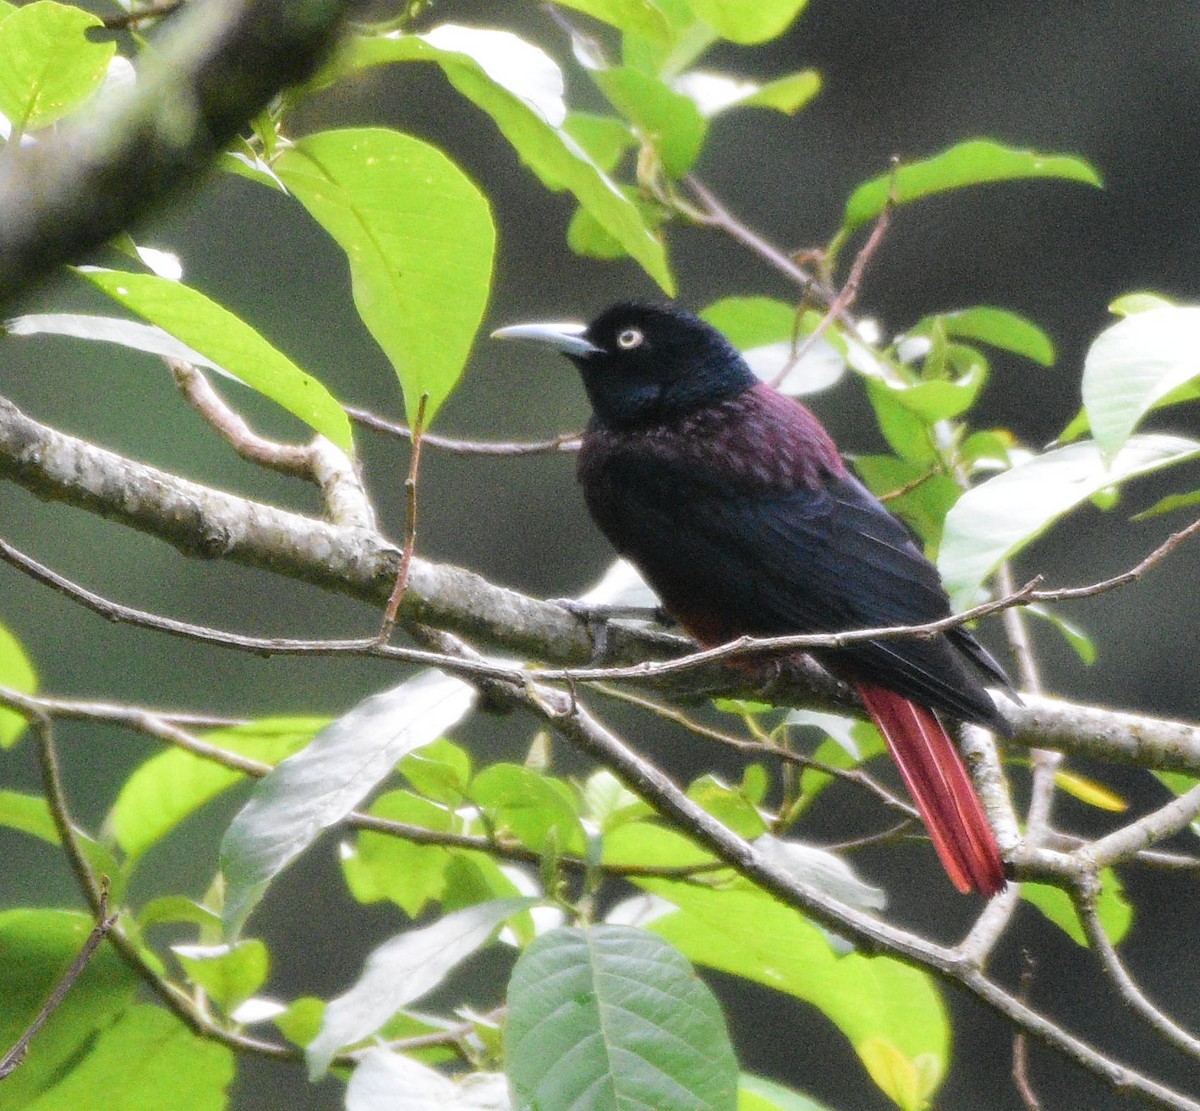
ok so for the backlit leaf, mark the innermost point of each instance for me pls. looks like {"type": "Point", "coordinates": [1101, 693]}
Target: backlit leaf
{"type": "Point", "coordinates": [557, 159]}
{"type": "Point", "coordinates": [16, 672]}
{"type": "Point", "coordinates": [997, 518]}
{"type": "Point", "coordinates": [402, 970]}
{"type": "Point", "coordinates": [748, 22]}
{"type": "Point", "coordinates": [206, 327]}
{"type": "Point", "coordinates": [1142, 361]}
{"type": "Point", "coordinates": [419, 238]}
{"type": "Point", "coordinates": [746, 933]}
{"type": "Point", "coordinates": [170, 785]}
{"type": "Point", "coordinates": [975, 162]}
{"type": "Point", "coordinates": [50, 65]}
{"type": "Point", "coordinates": [322, 783]}
{"type": "Point", "coordinates": [1113, 910]}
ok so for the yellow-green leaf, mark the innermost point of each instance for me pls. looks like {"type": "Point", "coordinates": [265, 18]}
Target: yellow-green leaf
{"type": "Point", "coordinates": [419, 237]}
{"type": "Point", "coordinates": [1089, 791]}
{"type": "Point", "coordinates": [227, 342]}
{"type": "Point", "coordinates": [16, 672]}
{"type": "Point", "coordinates": [975, 162]}
{"type": "Point", "coordinates": [49, 65]}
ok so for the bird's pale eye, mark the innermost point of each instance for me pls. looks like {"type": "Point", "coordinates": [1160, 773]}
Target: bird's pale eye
{"type": "Point", "coordinates": [629, 339]}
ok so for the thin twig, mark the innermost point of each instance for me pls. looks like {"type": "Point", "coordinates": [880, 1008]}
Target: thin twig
{"type": "Point", "coordinates": [758, 748]}
{"type": "Point", "coordinates": [716, 214]}
{"type": "Point", "coordinates": [848, 294]}
{"type": "Point", "coordinates": [899, 832]}
{"type": "Point", "coordinates": [104, 922]}
{"type": "Point", "coordinates": [1149, 829]}
{"type": "Point", "coordinates": [1020, 1051]}
{"type": "Point", "coordinates": [410, 525]}
{"type": "Point", "coordinates": [1128, 989]}
{"type": "Point", "coordinates": [160, 727]}
{"type": "Point", "coordinates": [288, 459]}
{"type": "Point", "coordinates": [262, 646]}
{"type": "Point", "coordinates": [564, 443]}
{"type": "Point", "coordinates": [320, 461]}
{"type": "Point", "coordinates": [172, 997]}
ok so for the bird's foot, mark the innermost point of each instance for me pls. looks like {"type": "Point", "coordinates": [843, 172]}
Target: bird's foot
{"type": "Point", "coordinates": [599, 617]}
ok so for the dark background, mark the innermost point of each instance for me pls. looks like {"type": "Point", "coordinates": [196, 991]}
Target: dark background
{"type": "Point", "coordinates": [1114, 82]}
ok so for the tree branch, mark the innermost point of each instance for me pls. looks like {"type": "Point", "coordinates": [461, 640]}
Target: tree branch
{"type": "Point", "coordinates": [217, 66]}
{"type": "Point", "coordinates": [206, 523]}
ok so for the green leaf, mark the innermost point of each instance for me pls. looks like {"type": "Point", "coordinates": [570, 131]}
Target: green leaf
{"type": "Point", "coordinates": [974, 162]}
{"type": "Point", "coordinates": [178, 908]}
{"type": "Point", "coordinates": [419, 238]}
{"type": "Point", "coordinates": [402, 970]}
{"type": "Point", "coordinates": [927, 498]}
{"type": "Point", "coordinates": [756, 21]}
{"type": "Point", "coordinates": [714, 93]}
{"type": "Point", "coordinates": [1089, 791]}
{"type": "Point", "coordinates": [230, 343]}
{"type": "Point", "coordinates": [749, 322]}
{"type": "Point", "coordinates": [635, 17]}
{"type": "Point", "coordinates": [440, 771]}
{"type": "Point", "coordinates": [1141, 362]}
{"type": "Point", "coordinates": [28, 814]}
{"type": "Point", "coordinates": [1169, 504]}
{"type": "Point", "coordinates": [762, 329]}
{"type": "Point", "coordinates": [938, 399]}
{"type": "Point", "coordinates": [997, 518]}
{"type": "Point", "coordinates": [38, 947]}
{"type": "Point", "coordinates": [608, 803]}
{"type": "Point", "coordinates": [538, 810]}
{"type": "Point", "coordinates": [997, 327]}
{"type": "Point", "coordinates": [171, 785]}
{"type": "Point", "coordinates": [1130, 303]}
{"type": "Point", "coordinates": [667, 120]}
{"type": "Point", "coordinates": [605, 138]}
{"type": "Point", "coordinates": [728, 805]}
{"type": "Point", "coordinates": [466, 56]}
{"type": "Point", "coordinates": [383, 867]}
{"type": "Point", "coordinates": [904, 1079]}
{"type": "Point", "coordinates": [16, 673]}
{"type": "Point", "coordinates": [872, 1000]}
{"type": "Point", "coordinates": [230, 974]}
{"type": "Point", "coordinates": [614, 1019]}
{"type": "Point", "coordinates": [688, 39]}
{"type": "Point", "coordinates": [321, 784]}
{"type": "Point", "coordinates": [905, 432]}
{"type": "Point", "coordinates": [50, 66]}
{"type": "Point", "coordinates": [1082, 644]}
{"type": "Point", "coordinates": [588, 237]}
{"type": "Point", "coordinates": [137, 1060]}
{"type": "Point", "coordinates": [756, 1093]}
{"type": "Point", "coordinates": [1114, 912]}
{"type": "Point", "coordinates": [643, 843]}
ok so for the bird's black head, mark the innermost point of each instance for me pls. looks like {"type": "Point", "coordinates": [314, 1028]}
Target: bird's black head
{"type": "Point", "coordinates": [644, 364]}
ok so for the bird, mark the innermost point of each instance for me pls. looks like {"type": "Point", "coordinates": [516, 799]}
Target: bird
{"type": "Point", "coordinates": [737, 508]}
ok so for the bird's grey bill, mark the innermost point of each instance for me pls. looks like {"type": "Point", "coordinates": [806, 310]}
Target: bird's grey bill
{"type": "Point", "coordinates": [565, 337]}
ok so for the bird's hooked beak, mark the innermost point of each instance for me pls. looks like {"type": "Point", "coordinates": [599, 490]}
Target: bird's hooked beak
{"type": "Point", "coordinates": [564, 337]}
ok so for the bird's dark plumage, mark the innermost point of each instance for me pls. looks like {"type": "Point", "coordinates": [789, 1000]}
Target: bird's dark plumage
{"type": "Point", "coordinates": [733, 502]}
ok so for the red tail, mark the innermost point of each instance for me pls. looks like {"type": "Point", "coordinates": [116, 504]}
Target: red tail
{"type": "Point", "coordinates": [933, 771]}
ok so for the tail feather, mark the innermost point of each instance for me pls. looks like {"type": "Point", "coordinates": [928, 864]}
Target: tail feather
{"type": "Point", "coordinates": [935, 776]}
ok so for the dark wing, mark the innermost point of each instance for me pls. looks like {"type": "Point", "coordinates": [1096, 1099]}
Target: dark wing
{"type": "Point", "coordinates": [771, 562]}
